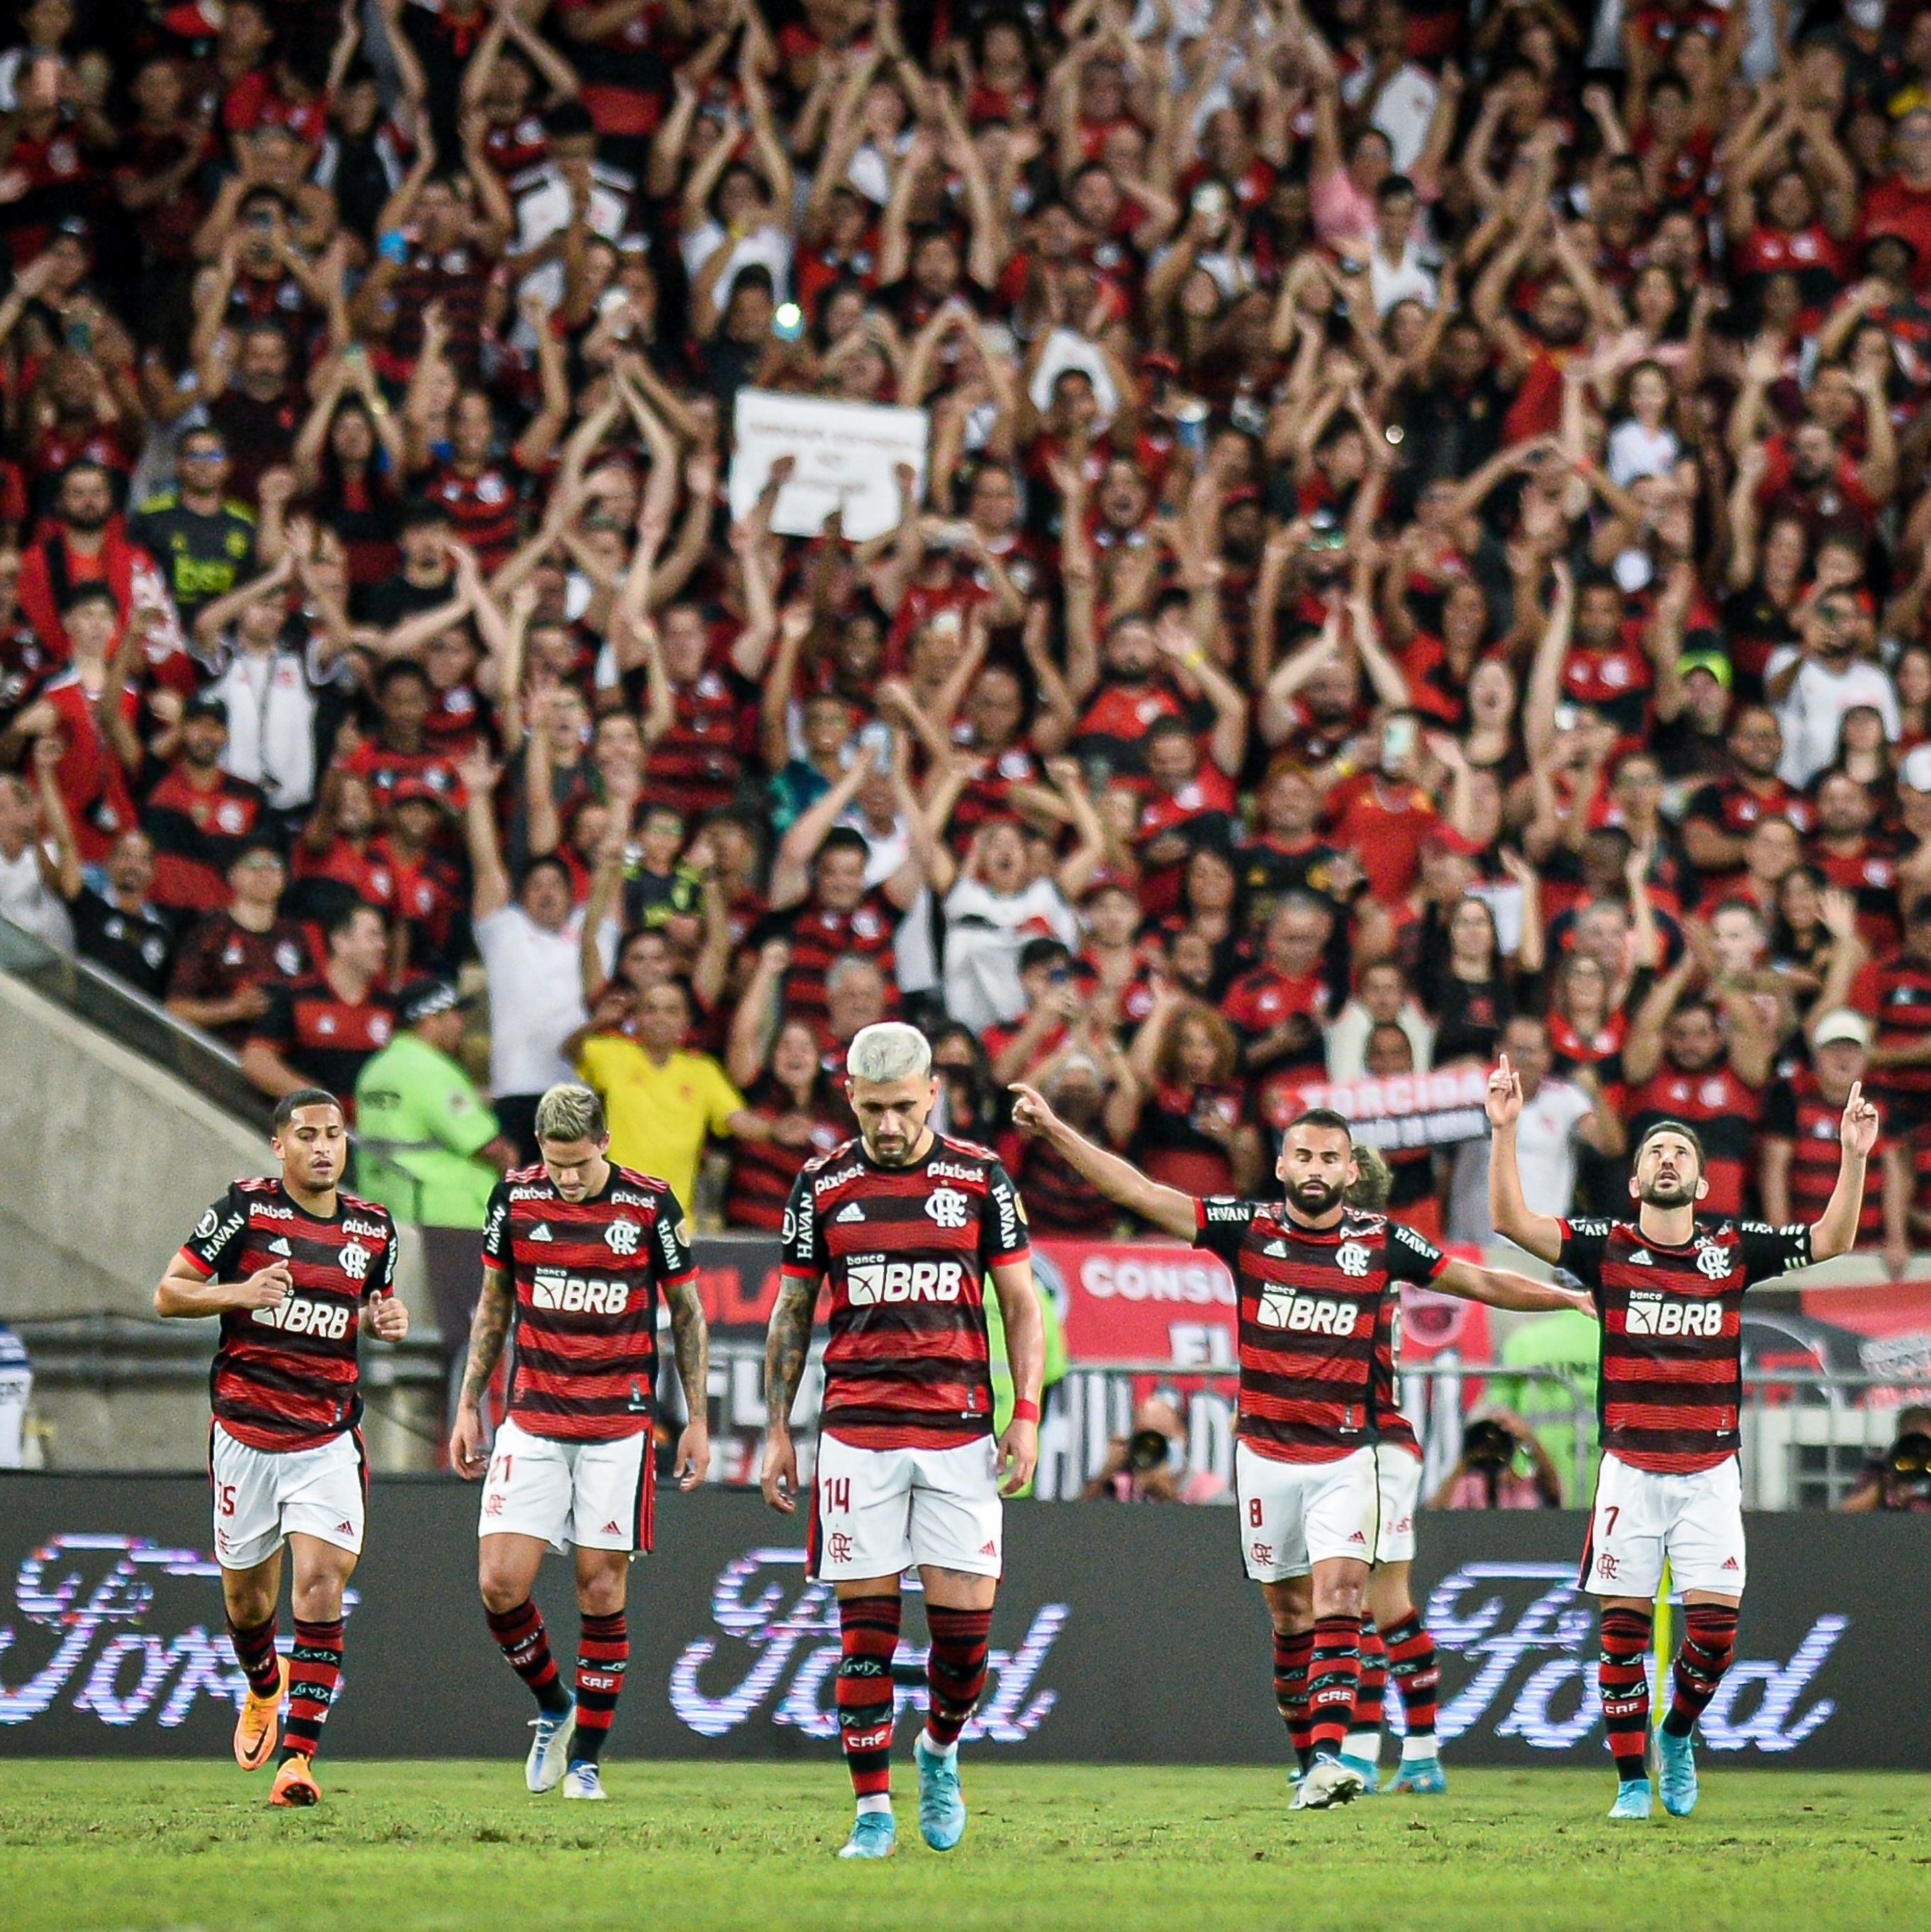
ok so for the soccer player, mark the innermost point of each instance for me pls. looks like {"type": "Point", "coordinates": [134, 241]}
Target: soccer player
{"type": "Point", "coordinates": [906, 1225]}
{"type": "Point", "coordinates": [1314, 1278]}
{"type": "Point", "coordinates": [576, 1252]}
{"type": "Point", "coordinates": [286, 1261]}
{"type": "Point", "coordinates": [1668, 1288]}
{"type": "Point", "coordinates": [1395, 1642]}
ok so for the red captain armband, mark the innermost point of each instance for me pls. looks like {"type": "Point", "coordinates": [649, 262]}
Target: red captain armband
{"type": "Point", "coordinates": [1024, 1411]}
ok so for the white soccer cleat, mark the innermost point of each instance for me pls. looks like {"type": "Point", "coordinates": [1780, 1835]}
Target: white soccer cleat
{"type": "Point", "coordinates": [1328, 1782]}
{"type": "Point", "coordinates": [584, 1781]}
{"type": "Point", "coordinates": [549, 1756]}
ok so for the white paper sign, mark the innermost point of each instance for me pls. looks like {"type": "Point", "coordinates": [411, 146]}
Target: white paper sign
{"type": "Point", "coordinates": [847, 454]}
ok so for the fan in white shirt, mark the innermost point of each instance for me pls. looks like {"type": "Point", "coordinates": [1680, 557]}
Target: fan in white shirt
{"type": "Point", "coordinates": [1814, 684]}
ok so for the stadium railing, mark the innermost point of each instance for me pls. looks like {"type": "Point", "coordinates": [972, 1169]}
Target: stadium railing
{"type": "Point", "coordinates": [143, 1025]}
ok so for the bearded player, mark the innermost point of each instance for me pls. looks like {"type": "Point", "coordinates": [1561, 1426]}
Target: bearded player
{"type": "Point", "coordinates": [575, 1253]}
{"type": "Point", "coordinates": [1313, 1277]}
{"type": "Point", "coordinates": [1668, 1288]}
{"type": "Point", "coordinates": [905, 1225]}
{"type": "Point", "coordinates": [287, 1262]}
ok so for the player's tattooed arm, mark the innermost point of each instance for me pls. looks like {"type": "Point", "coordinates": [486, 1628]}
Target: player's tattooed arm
{"type": "Point", "coordinates": [787, 1344]}
{"type": "Point", "coordinates": [691, 1339]}
{"type": "Point", "coordinates": [489, 1330]}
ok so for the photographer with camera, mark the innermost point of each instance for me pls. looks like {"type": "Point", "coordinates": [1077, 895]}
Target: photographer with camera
{"type": "Point", "coordinates": [1900, 1479]}
{"type": "Point", "coordinates": [1150, 1465]}
{"type": "Point", "coordinates": [1501, 1466]}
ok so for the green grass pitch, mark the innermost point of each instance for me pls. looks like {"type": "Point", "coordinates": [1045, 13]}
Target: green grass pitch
{"type": "Point", "coordinates": [408, 1847]}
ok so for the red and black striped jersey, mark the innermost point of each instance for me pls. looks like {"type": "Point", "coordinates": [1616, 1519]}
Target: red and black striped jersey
{"type": "Point", "coordinates": [484, 508]}
{"type": "Point", "coordinates": [762, 1170]}
{"type": "Point", "coordinates": [285, 1377]}
{"type": "Point", "coordinates": [1903, 1019]}
{"type": "Point", "coordinates": [585, 1275]}
{"type": "Point", "coordinates": [1723, 1111]}
{"type": "Point", "coordinates": [197, 835]}
{"type": "Point", "coordinates": [906, 1250]}
{"type": "Point", "coordinates": [1671, 1382]}
{"type": "Point", "coordinates": [324, 1038]}
{"type": "Point", "coordinates": [1795, 1110]}
{"type": "Point", "coordinates": [820, 937]}
{"type": "Point", "coordinates": [1311, 1312]}
{"type": "Point", "coordinates": [698, 763]}
{"type": "Point", "coordinates": [1391, 1422]}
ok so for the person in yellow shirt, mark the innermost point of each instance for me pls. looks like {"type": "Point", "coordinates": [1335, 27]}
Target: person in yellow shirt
{"type": "Point", "coordinates": [662, 1103]}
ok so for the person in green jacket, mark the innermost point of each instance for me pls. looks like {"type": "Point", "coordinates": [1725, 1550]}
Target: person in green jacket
{"type": "Point", "coordinates": [429, 1150]}
{"type": "Point", "coordinates": [1002, 1372]}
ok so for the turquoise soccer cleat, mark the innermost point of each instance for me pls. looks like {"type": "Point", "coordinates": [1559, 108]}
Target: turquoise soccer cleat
{"type": "Point", "coordinates": [1362, 1769]}
{"type": "Point", "coordinates": [1424, 1776]}
{"type": "Point", "coordinates": [1676, 1772]}
{"type": "Point", "coordinates": [942, 1810]}
{"type": "Point", "coordinates": [875, 1835]}
{"type": "Point", "coordinates": [1633, 1799]}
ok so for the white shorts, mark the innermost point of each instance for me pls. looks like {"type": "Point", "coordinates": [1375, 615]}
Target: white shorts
{"type": "Point", "coordinates": [879, 1512]}
{"type": "Point", "coordinates": [1398, 1479]}
{"type": "Point", "coordinates": [262, 1494]}
{"type": "Point", "coordinates": [1639, 1518]}
{"type": "Point", "coordinates": [590, 1495]}
{"type": "Point", "coordinates": [1295, 1515]}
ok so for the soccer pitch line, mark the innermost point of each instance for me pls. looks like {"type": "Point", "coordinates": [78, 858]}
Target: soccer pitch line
{"type": "Point", "coordinates": [139, 1846]}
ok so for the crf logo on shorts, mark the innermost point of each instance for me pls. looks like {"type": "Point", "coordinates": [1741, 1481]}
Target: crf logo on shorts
{"type": "Point", "coordinates": [578, 1295]}
{"type": "Point", "coordinates": [1306, 1314]}
{"type": "Point", "coordinates": [1654, 1314]}
{"type": "Point", "coordinates": [297, 1316]}
{"type": "Point", "coordinates": [867, 1283]}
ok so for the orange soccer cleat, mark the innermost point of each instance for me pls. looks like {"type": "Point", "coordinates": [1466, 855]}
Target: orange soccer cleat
{"type": "Point", "coordinates": [294, 1782]}
{"type": "Point", "coordinates": [259, 1725]}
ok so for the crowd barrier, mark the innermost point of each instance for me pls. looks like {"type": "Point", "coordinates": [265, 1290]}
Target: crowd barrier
{"type": "Point", "coordinates": [1124, 1634]}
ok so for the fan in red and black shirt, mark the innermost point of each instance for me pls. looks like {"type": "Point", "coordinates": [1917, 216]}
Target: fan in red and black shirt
{"type": "Point", "coordinates": [1802, 1122]}
{"type": "Point", "coordinates": [1717, 821]}
{"type": "Point", "coordinates": [903, 1227]}
{"type": "Point", "coordinates": [575, 1253]}
{"type": "Point", "coordinates": [328, 1027]}
{"type": "Point", "coordinates": [1707, 1077]}
{"type": "Point", "coordinates": [1312, 1276]}
{"type": "Point", "coordinates": [287, 1262]}
{"type": "Point", "coordinates": [1669, 1289]}
{"type": "Point", "coordinates": [842, 916]}
{"type": "Point", "coordinates": [198, 816]}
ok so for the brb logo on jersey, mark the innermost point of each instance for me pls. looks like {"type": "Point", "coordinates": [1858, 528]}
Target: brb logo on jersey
{"type": "Point", "coordinates": [578, 1295]}
{"type": "Point", "coordinates": [1652, 1313]}
{"type": "Point", "coordinates": [297, 1315]}
{"type": "Point", "coordinates": [1306, 1314]}
{"type": "Point", "coordinates": [869, 1282]}
{"type": "Point", "coordinates": [948, 1206]}
{"type": "Point", "coordinates": [621, 1238]}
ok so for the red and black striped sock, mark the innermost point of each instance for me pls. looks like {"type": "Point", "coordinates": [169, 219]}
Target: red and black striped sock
{"type": "Point", "coordinates": [954, 1669]}
{"type": "Point", "coordinates": [1709, 1643]}
{"type": "Point", "coordinates": [314, 1676]}
{"type": "Point", "coordinates": [255, 1652]}
{"type": "Point", "coordinates": [1294, 1650]}
{"type": "Point", "coordinates": [1411, 1662]}
{"type": "Point", "coordinates": [1625, 1688]}
{"type": "Point", "coordinates": [1374, 1680]}
{"type": "Point", "coordinates": [1332, 1677]}
{"type": "Point", "coordinates": [602, 1655]}
{"type": "Point", "coordinates": [869, 1631]}
{"type": "Point", "coordinates": [521, 1637]}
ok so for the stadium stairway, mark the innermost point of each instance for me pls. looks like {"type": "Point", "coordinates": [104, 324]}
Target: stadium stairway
{"type": "Point", "coordinates": [107, 1159]}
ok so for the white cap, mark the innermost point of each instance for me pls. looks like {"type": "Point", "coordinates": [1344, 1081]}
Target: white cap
{"type": "Point", "coordinates": [1842, 1024]}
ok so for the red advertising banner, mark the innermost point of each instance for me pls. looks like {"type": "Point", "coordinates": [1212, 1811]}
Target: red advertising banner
{"type": "Point", "coordinates": [1408, 1110]}
{"type": "Point", "coordinates": [1147, 1301]}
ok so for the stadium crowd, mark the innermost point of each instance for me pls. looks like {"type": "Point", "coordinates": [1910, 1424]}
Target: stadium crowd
{"type": "Point", "coordinates": [1425, 548]}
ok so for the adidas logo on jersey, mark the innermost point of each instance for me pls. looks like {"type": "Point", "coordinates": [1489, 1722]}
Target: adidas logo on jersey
{"type": "Point", "coordinates": [280, 1246]}
{"type": "Point", "coordinates": [854, 1212]}
{"type": "Point", "coordinates": [1278, 1249]}
{"type": "Point", "coordinates": [541, 1232]}
{"type": "Point", "coordinates": [1641, 1258]}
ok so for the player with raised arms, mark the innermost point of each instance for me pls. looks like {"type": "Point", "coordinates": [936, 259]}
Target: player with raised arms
{"type": "Point", "coordinates": [287, 1262]}
{"type": "Point", "coordinates": [906, 1225]}
{"type": "Point", "coordinates": [1314, 1278]}
{"type": "Point", "coordinates": [576, 1252]}
{"type": "Point", "coordinates": [1668, 1288]}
